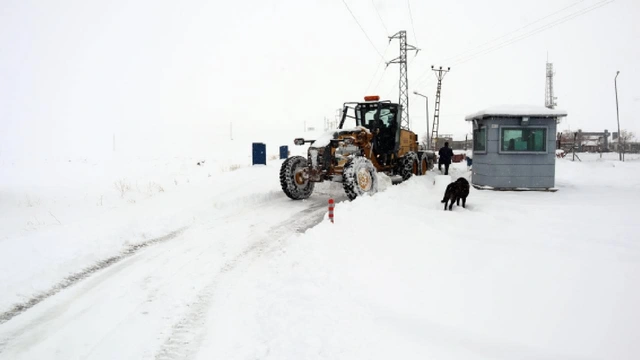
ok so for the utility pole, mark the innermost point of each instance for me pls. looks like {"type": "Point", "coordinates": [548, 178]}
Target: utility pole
{"type": "Point", "coordinates": [615, 84]}
{"type": "Point", "coordinates": [440, 74]}
{"type": "Point", "coordinates": [403, 83]}
{"type": "Point", "coordinates": [549, 99]}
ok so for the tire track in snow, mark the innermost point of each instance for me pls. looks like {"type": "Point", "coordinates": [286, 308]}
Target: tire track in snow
{"type": "Point", "coordinates": [83, 274]}
{"type": "Point", "coordinates": [187, 334]}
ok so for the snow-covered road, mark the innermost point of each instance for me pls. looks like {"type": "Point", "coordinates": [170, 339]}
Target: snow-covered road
{"type": "Point", "coordinates": [160, 295]}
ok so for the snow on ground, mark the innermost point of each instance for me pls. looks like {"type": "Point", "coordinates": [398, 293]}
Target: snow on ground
{"type": "Point", "coordinates": [515, 275]}
{"type": "Point", "coordinates": [59, 216]}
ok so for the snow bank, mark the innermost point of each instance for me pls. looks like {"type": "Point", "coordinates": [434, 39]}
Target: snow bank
{"type": "Point", "coordinates": [515, 275]}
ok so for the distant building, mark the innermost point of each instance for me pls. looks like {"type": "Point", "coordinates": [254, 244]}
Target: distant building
{"type": "Point", "coordinates": [627, 147]}
{"type": "Point", "coordinates": [461, 144]}
{"type": "Point", "coordinates": [441, 139]}
{"type": "Point", "coordinates": [585, 141]}
{"type": "Point", "coordinates": [593, 141]}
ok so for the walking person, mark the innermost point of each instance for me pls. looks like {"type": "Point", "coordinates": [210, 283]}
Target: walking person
{"type": "Point", "coordinates": [445, 155]}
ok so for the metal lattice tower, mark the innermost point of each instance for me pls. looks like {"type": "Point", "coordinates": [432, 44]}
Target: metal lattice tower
{"type": "Point", "coordinates": [549, 99]}
{"type": "Point", "coordinates": [440, 73]}
{"type": "Point", "coordinates": [403, 84]}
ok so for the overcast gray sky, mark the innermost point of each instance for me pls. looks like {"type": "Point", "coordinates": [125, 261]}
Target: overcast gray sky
{"type": "Point", "coordinates": [172, 75]}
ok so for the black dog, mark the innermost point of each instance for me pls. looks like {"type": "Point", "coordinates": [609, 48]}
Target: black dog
{"type": "Point", "coordinates": [457, 190]}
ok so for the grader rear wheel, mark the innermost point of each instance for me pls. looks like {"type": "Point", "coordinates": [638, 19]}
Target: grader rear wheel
{"type": "Point", "coordinates": [424, 165]}
{"type": "Point", "coordinates": [409, 165]}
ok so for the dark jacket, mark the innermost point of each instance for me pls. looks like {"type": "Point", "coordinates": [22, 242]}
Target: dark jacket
{"type": "Point", "coordinates": [445, 154]}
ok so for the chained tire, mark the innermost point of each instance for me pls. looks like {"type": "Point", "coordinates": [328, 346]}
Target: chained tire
{"type": "Point", "coordinates": [424, 164]}
{"type": "Point", "coordinates": [409, 165]}
{"type": "Point", "coordinates": [359, 178]}
{"type": "Point", "coordinates": [292, 179]}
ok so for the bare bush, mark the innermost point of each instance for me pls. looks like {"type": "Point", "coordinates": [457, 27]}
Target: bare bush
{"type": "Point", "coordinates": [155, 187]}
{"type": "Point", "coordinates": [123, 187]}
{"type": "Point", "coordinates": [30, 202]}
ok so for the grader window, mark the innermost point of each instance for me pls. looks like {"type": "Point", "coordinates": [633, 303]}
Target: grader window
{"type": "Point", "coordinates": [378, 115]}
{"type": "Point", "coordinates": [388, 116]}
{"type": "Point", "coordinates": [370, 116]}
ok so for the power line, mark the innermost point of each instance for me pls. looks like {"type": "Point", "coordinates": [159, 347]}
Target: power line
{"type": "Point", "coordinates": [378, 68]}
{"type": "Point", "coordinates": [513, 32]}
{"type": "Point", "coordinates": [427, 72]}
{"type": "Point", "coordinates": [425, 81]}
{"type": "Point", "coordinates": [380, 17]}
{"type": "Point", "coordinates": [361, 28]}
{"type": "Point", "coordinates": [536, 31]}
{"type": "Point", "coordinates": [412, 27]}
{"type": "Point", "coordinates": [379, 81]}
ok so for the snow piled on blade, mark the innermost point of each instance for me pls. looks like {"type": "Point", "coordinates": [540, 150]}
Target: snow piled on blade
{"type": "Point", "coordinates": [326, 138]}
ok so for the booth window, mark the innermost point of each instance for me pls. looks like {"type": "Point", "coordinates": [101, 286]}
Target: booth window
{"type": "Point", "coordinates": [480, 139]}
{"type": "Point", "coordinates": [524, 139]}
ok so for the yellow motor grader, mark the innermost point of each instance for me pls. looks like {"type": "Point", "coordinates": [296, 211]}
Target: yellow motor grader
{"type": "Point", "coordinates": [368, 140]}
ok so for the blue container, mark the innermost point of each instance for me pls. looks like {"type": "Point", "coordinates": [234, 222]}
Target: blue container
{"type": "Point", "coordinates": [259, 154]}
{"type": "Point", "coordinates": [284, 152]}
{"type": "Point", "coordinates": [469, 161]}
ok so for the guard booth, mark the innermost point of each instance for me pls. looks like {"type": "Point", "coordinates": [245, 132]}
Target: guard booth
{"type": "Point", "coordinates": [514, 147]}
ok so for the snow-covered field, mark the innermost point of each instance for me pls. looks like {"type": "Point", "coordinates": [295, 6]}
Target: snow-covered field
{"type": "Point", "coordinates": [248, 273]}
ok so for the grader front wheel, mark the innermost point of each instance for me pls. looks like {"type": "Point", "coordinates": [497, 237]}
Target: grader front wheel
{"type": "Point", "coordinates": [294, 180]}
{"type": "Point", "coordinates": [359, 178]}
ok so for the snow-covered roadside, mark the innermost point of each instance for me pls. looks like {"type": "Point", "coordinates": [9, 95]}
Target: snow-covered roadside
{"type": "Point", "coordinates": [531, 275]}
{"type": "Point", "coordinates": [60, 216]}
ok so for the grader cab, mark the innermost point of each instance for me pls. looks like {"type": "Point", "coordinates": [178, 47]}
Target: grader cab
{"type": "Point", "coordinates": [368, 140]}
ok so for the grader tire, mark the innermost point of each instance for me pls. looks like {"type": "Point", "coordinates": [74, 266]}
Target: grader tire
{"type": "Point", "coordinates": [409, 165]}
{"type": "Point", "coordinates": [424, 164]}
{"type": "Point", "coordinates": [359, 178]}
{"type": "Point", "coordinates": [291, 179]}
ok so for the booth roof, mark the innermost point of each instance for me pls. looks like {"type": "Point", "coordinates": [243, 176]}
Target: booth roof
{"type": "Point", "coordinates": [516, 110]}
